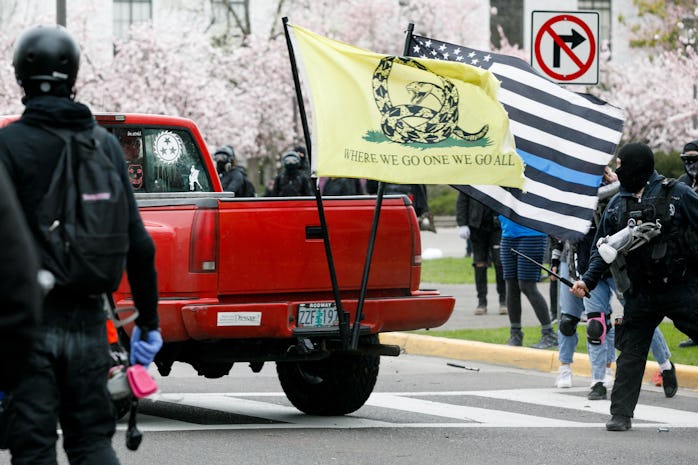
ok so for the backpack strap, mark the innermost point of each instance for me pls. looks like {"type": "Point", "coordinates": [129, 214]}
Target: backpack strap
{"type": "Point", "coordinates": [112, 312]}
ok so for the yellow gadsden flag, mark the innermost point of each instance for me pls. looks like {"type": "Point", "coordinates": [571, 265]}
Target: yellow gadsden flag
{"type": "Point", "coordinates": [403, 120]}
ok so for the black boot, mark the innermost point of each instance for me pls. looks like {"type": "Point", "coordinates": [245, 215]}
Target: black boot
{"type": "Point", "coordinates": [618, 423]}
{"type": "Point", "coordinates": [669, 381]}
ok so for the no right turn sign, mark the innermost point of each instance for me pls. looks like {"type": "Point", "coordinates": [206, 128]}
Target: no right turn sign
{"type": "Point", "coordinates": [565, 46]}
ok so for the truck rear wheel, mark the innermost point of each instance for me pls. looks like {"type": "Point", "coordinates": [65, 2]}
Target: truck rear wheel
{"type": "Point", "coordinates": [337, 385]}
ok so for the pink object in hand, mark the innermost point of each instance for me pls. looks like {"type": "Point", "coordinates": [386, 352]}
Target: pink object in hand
{"type": "Point", "coordinates": [142, 384]}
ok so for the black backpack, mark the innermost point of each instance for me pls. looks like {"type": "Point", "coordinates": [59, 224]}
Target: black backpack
{"type": "Point", "coordinates": [83, 218]}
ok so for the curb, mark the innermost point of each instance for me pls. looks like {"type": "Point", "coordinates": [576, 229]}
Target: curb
{"type": "Point", "coordinates": [520, 357]}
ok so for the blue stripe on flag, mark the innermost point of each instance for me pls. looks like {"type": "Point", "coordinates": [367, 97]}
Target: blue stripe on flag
{"type": "Point", "coordinates": [559, 171]}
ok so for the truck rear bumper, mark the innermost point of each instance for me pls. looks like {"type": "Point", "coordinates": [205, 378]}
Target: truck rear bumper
{"type": "Point", "coordinates": [209, 319]}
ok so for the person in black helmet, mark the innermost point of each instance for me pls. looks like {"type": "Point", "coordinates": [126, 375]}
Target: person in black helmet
{"type": "Point", "coordinates": [67, 374]}
{"type": "Point", "coordinates": [233, 176]}
{"type": "Point", "coordinates": [661, 275]}
{"type": "Point", "coordinates": [689, 157]}
{"type": "Point", "coordinates": [293, 180]}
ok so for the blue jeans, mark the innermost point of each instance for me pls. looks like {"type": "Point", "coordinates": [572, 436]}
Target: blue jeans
{"type": "Point", "coordinates": [658, 346]}
{"type": "Point", "coordinates": [602, 354]}
{"type": "Point", "coordinates": [600, 301]}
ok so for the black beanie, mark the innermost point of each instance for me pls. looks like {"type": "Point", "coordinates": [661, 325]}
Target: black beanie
{"type": "Point", "coordinates": [636, 166]}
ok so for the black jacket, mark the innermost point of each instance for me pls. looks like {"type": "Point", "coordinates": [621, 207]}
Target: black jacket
{"type": "Point", "coordinates": [19, 289]}
{"type": "Point", "coordinates": [686, 179]}
{"type": "Point", "coordinates": [233, 181]}
{"type": "Point", "coordinates": [30, 154]}
{"type": "Point", "coordinates": [471, 213]}
{"type": "Point", "coordinates": [292, 183]}
{"type": "Point", "coordinates": [685, 202]}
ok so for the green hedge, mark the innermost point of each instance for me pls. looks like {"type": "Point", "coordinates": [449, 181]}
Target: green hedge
{"type": "Point", "coordinates": [669, 164]}
{"type": "Point", "coordinates": [442, 200]}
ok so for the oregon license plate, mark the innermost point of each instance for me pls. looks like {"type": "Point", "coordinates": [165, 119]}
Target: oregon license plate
{"type": "Point", "coordinates": [317, 315]}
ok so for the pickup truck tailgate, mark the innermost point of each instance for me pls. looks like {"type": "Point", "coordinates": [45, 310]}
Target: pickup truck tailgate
{"type": "Point", "coordinates": [276, 246]}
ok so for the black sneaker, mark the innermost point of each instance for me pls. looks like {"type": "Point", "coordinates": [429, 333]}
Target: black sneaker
{"type": "Point", "coordinates": [688, 343]}
{"type": "Point", "coordinates": [515, 339]}
{"type": "Point", "coordinates": [598, 392]}
{"type": "Point", "coordinates": [669, 381]}
{"type": "Point", "coordinates": [618, 423]}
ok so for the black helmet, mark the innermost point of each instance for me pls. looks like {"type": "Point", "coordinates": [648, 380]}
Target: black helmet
{"type": "Point", "coordinates": [225, 151]}
{"type": "Point", "coordinates": [224, 158]}
{"type": "Point", "coordinates": [46, 54]}
{"type": "Point", "coordinates": [291, 160]}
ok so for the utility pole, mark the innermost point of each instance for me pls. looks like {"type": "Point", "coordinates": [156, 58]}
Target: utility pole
{"type": "Point", "coordinates": [60, 13]}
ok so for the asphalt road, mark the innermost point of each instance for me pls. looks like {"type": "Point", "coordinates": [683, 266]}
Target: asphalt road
{"type": "Point", "coordinates": [422, 411]}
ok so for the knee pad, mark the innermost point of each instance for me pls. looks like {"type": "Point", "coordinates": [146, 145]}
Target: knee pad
{"type": "Point", "coordinates": [568, 324]}
{"type": "Point", "coordinates": [597, 326]}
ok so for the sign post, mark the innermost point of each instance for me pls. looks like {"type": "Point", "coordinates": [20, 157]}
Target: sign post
{"type": "Point", "coordinates": [565, 45]}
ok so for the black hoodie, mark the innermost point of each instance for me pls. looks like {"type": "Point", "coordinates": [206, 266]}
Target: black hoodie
{"type": "Point", "coordinates": [30, 154]}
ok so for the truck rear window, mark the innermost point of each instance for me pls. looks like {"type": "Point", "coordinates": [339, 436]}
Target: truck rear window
{"type": "Point", "coordinates": [162, 159]}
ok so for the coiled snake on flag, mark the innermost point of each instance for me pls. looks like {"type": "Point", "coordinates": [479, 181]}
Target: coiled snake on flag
{"type": "Point", "coordinates": [434, 126]}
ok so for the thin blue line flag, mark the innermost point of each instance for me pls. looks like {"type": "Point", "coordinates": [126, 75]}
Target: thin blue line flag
{"type": "Point", "coordinates": [565, 139]}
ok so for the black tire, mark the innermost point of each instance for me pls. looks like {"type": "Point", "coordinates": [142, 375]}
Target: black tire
{"type": "Point", "coordinates": [337, 385]}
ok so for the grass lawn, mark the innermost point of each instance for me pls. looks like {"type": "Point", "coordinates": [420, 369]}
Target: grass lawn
{"type": "Point", "coordinates": [451, 271]}
{"type": "Point", "coordinates": [460, 271]}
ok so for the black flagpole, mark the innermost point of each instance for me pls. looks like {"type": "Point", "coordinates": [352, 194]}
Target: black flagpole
{"type": "Point", "coordinates": [372, 239]}
{"type": "Point", "coordinates": [343, 316]}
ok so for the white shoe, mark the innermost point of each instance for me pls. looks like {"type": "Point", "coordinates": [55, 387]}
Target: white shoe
{"type": "Point", "coordinates": [564, 377]}
{"type": "Point", "coordinates": [608, 379]}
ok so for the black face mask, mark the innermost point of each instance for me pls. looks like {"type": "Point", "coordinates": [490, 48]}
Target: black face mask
{"type": "Point", "coordinates": [636, 166]}
{"type": "Point", "coordinates": [691, 168]}
{"type": "Point", "coordinates": [220, 167]}
{"type": "Point", "coordinates": [629, 180]}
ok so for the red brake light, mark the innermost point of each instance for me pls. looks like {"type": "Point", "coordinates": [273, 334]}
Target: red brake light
{"type": "Point", "coordinates": [204, 242]}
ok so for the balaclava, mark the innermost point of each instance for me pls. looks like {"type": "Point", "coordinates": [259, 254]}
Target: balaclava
{"type": "Point", "coordinates": [636, 166]}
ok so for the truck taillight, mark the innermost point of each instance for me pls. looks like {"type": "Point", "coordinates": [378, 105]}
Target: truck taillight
{"type": "Point", "coordinates": [204, 242]}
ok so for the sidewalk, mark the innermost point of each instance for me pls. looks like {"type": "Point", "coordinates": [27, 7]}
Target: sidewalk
{"type": "Point", "coordinates": [446, 243]}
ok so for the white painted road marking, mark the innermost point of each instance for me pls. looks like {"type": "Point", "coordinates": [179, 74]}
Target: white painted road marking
{"type": "Point", "coordinates": [460, 416]}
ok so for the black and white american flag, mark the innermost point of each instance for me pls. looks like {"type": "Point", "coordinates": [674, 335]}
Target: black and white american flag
{"type": "Point", "coordinates": [564, 138]}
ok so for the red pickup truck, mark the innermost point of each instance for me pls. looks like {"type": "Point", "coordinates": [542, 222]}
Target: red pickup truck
{"type": "Point", "coordinates": [247, 280]}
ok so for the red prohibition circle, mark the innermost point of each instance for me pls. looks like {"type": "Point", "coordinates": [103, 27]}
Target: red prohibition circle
{"type": "Point", "coordinates": [583, 67]}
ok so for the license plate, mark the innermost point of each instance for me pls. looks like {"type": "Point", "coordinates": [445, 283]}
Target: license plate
{"type": "Point", "coordinates": [317, 315]}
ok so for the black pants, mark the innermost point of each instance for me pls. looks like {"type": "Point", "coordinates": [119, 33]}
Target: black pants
{"type": "Point", "coordinates": [485, 250]}
{"type": "Point", "coordinates": [66, 383]}
{"type": "Point", "coordinates": [642, 313]}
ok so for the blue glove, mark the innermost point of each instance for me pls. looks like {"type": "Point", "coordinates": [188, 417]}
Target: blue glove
{"type": "Point", "coordinates": [143, 351]}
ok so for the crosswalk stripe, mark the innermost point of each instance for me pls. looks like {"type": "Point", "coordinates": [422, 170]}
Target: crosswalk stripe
{"type": "Point", "coordinates": [279, 416]}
